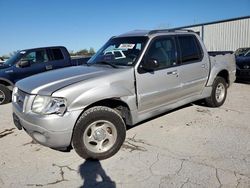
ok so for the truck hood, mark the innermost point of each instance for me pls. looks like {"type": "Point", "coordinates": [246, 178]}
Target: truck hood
{"type": "Point", "coordinates": [2, 66]}
{"type": "Point", "coordinates": [240, 60]}
{"type": "Point", "coordinates": [49, 82]}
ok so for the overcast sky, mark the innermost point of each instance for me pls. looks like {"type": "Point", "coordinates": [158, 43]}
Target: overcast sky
{"type": "Point", "coordinates": [79, 24]}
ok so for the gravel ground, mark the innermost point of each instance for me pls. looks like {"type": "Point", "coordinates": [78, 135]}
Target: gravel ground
{"type": "Point", "coordinates": [193, 146]}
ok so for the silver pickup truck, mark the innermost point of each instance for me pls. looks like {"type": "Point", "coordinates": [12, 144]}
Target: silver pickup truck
{"type": "Point", "coordinates": [133, 77]}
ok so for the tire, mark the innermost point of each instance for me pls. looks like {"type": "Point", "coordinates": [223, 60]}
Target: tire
{"type": "Point", "coordinates": [5, 95]}
{"type": "Point", "coordinates": [220, 86]}
{"type": "Point", "coordinates": [99, 133]}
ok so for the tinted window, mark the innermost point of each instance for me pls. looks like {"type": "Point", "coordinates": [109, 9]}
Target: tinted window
{"type": "Point", "coordinates": [57, 54]}
{"type": "Point", "coordinates": [163, 50]}
{"type": "Point", "coordinates": [190, 50]}
{"type": "Point", "coordinates": [39, 56]}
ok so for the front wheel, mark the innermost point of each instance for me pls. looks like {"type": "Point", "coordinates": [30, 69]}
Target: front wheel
{"type": "Point", "coordinates": [5, 94]}
{"type": "Point", "coordinates": [219, 93]}
{"type": "Point", "coordinates": [99, 133]}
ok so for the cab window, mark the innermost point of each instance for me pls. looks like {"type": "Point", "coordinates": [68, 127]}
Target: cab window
{"type": "Point", "coordinates": [57, 54]}
{"type": "Point", "coordinates": [163, 50]}
{"type": "Point", "coordinates": [39, 56]}
{"type": "Point", "coordinates": [190, 49]}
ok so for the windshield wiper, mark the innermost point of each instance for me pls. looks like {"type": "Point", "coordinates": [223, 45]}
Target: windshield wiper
{"type": "Point", "coordinates": [104, 63]}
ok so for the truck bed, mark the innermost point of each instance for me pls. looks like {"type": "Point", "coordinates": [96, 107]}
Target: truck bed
{"type": "Point", "coordinates": [75, 61]}
{"type": "Point", "coordinates": [222, 61]}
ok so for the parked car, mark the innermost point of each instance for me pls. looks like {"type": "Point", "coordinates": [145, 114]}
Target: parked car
{"type": "Point", "coordinates": [32, 61]}
{"type": "Point", "coordinates": [241, 51]}
{"type": "Point", "coordinates": [89, 106]}
{"type": "Point", "coordinates": [243, 65]}
{"type": "Point", "coordinates": [2, 60]}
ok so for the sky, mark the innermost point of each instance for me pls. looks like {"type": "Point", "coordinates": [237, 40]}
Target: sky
{"type": "Point", "coordinates": [79, 24]}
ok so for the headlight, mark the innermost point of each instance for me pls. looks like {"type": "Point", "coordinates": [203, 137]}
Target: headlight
{"type": "Point", "coordinates": [14, 94]}
{"type": "Point", "coordinates": [49, 105]}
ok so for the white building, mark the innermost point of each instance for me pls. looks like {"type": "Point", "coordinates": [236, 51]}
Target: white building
{"type": "Point", "coordinates": [224, 35]}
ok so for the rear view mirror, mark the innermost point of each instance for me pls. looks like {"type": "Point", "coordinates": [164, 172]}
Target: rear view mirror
{"type": "Point", "coordinates": [24, 63]}
{"type": "Point", "coordinates": [150, 65]}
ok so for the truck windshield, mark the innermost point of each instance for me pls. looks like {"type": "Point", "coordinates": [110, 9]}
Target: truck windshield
{"type": "Point", "coordinates": [122, 51]}
{"type": "Point", "coordinates": [247, 54]}
{"type": "Point", "coordinates": [13, 59]}
{"type": "Point", "coordinates": [241, 51]}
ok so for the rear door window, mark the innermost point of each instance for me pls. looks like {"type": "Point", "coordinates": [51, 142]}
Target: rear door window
{"type": "Point", "coordinates": [57, 54]}
{"type": "Point", "coordinates": [190, 50]}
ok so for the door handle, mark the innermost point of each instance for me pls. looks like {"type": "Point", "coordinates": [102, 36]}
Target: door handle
{"type": "Point", "coordinates": [49, 67]}
{"type": "Point", "coordinates": [172, 72]}
{"type": "Point", "coordinates": [203, 66]}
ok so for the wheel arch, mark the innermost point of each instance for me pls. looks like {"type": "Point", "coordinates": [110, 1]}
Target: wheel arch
{"type": "Point", "coordinates": [6, 83]}
{"type": "Point", "coordinates": [224, 74]}
{"type": "Point", "coordinates": [117, 104]}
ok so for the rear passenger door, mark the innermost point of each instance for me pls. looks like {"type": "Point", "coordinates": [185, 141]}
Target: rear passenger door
{"type": "Point", "coordinates": [161, 86]}
{"type": "Point", "coordinates": [194, 68]}
{"type": "Point", "coordinates": [57, 59]}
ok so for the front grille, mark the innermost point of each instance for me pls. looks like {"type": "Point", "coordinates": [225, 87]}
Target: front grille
{"type": "Point", "coordinates": [20, 98]}
{"type": "Point", "coordinates": [245, 73]}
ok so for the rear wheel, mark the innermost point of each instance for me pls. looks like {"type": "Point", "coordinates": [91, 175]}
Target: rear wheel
{"type": "Point", "coordinates": [5, 94]}
{"type": "Point", "coordinates": [99, 133]}
{"type": "Point", "coordinates": [219, 93]}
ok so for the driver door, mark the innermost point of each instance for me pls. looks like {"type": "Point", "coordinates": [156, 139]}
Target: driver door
{"type": "Point", "coordinates": [36, 59]}
{"type": "Point", "coordinates": [161, 86]}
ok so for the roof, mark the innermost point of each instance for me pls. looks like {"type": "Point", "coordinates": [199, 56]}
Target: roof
{"type": "Point", "coordinates": [137, 33]}
{"type": "Point", "coordinates": [40, 48]}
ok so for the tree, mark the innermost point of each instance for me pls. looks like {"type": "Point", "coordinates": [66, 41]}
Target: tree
{"type": "Point", "coordinates": [13, 53]}
{"type": "Point", "coordinates": [4, 57]}
{"type": "Point", "coordinates": [91, 51]}
{"type": "Point", "coordinates": [83, 52]}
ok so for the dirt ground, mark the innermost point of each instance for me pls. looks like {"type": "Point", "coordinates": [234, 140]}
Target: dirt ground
{"type": "Point", "coordinates": [193, 146]}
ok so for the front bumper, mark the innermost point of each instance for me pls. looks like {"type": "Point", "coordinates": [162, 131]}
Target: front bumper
{"type": "Point", "coordinates": [52, 130]}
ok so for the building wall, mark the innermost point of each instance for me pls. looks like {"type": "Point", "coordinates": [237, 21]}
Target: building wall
{"type": "Point", "coordinates": [226, 35]}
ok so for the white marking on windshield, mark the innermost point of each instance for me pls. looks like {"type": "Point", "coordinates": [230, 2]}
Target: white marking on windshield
{"type": "Point", "coordinates": [126, 46]}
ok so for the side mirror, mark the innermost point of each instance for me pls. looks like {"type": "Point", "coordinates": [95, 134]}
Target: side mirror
{"type": "Point", "coordinates": [24, 63]}
{"type": "Point", "coordinates": [150, 64]}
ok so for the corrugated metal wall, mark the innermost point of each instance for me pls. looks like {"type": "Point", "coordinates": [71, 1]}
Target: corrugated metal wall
{"type": "Point", "coordinates": [226, 35]}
